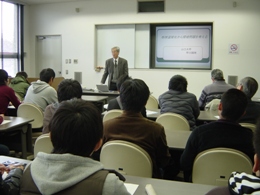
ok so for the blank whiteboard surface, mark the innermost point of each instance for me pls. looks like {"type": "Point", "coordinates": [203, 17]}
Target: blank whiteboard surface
{"type": "Point", "coordinates": [108, 36]}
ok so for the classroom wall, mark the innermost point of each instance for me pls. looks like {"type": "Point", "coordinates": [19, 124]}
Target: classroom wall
{"type": "Point", "coordinates": [239, 25]}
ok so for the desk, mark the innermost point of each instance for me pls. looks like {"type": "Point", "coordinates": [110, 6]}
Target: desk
{"type": "Point", "coordinates": [204, 115]}
{"type": "Point", "coordinates": [22, 125]}
{"type": "Point", "coordinates": [113, 94]}
{"type": "Point", "coordinates": [177, 139]}
{"type": "Point", "coordinates": [162, 187]}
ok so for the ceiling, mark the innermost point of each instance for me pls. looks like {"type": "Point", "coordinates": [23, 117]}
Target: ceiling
{"type": "Point", "coordinates": [31, 2]}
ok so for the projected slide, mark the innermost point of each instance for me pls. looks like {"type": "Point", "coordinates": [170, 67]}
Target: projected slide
{"type": "Point", "coordinates": [183, 46]}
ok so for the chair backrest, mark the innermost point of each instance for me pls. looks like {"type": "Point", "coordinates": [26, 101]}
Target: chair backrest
{"type": "Point", "coordinates": [173, 121]}
{"type": "Point", "coordinates": [214, 166]}
{"type": "Point", "coordinates": [28, 110]}
{"type": "Point", "coordinates": [127, 158]}
{"type": "Point", "coordinates": [112, 114]}
{"type": "Point", "coordinates": [152, 103]}
{"type": "Point", "coordinates": [213, 105]}
{"type": "Point", "coordinates": [249, 126]}
{"type": "Point", "coordinates": [43, 144]}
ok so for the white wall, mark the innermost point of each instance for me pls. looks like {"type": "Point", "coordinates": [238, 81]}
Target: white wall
{"type": "Point", "coordinates": [238, 25]}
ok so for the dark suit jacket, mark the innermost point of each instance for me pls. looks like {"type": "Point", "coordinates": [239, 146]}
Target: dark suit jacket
{"type": "Point", "coordinates": [109, 69]}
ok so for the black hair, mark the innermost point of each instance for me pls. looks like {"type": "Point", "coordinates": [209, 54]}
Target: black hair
{"type": "Point", "coordinates": [3, 77]}
{"type": "Point", "coordinates": [69, 89]}
{"type": "Point", "coordinates": [76, 128]}
{"type": "Point", "coordinates": [24, 74]}
{"type": "Point", "coordinates": [257, 138]}
{"type": "Point", "coordinates": [178, 83]}
{"type": "Point", "coordinates": [47, 74]}
{"type": "Point", "coordinates": [122, 79]}
{"type": "Point", "coordinates": [134, 94]}
{"type": "Point", "coordinates": [234, 103]}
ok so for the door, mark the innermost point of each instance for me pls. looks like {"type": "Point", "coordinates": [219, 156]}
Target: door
{"type": "Point", "coordinates": [48, 54]}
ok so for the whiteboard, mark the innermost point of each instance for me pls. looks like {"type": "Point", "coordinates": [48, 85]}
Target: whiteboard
{"type": "Point", "coordinates": [108, 36]}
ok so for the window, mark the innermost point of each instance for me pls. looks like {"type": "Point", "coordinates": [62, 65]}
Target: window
{"type": "Point", "coordinates": [10, 37]}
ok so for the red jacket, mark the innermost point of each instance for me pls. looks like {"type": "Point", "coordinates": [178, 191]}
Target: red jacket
{"type": "Point", "coordinates": [7, 95]}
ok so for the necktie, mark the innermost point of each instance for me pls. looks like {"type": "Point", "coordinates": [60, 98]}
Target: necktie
{"type": "Point", "coordinates": [115, 71]}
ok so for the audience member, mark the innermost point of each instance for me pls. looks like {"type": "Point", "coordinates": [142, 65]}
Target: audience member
{"type": "Point", "coordinates": [76, 131]}
{"type": "Point", "coordinates": [20, 85]}
{"type": "Point", "coordinates": [10, 185]}
{"type": "Point", "coordinates": [67, 89]}
{"type": "Point", "coordinates": [214, 90]}
{"type": "Point", "coordinates": [6, 94]}
{"type": "Point", "coordinates": [116, 102]}
{"type": "Point", "coordinates": [243, 183]}
{"type": "Point", "coordinates": [225, 132]}
{"type": "Point", "coordinates": [131, 126]}
{"type": "Point", "coordinates": [249, 86]}
{"type": "Point", "coordinates": [40, 92]}
{"type": "Point", "coordinates": [178, 100]}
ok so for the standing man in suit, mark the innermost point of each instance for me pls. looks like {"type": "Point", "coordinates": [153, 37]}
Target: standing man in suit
{"type": "Point", "coordinates": [115, 67]}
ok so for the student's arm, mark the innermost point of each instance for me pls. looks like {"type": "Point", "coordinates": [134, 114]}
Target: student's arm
{"type": "Point", "coordinates": [202, 99]}
{"type": "Point", "coordinates": [189, 154]}
{"type": "Point", "coordinates": [52, 98]}
{"type": "Point", "coordinates": [162, 152]}
{"type": "Point", "coordinates": [13, 99]}
{"type": "Point", "coordinates": [46, 120]}
{"type": "Point", "coordinates": [114, 186]}
{"type": "Point", "coordinates": [125, 68]}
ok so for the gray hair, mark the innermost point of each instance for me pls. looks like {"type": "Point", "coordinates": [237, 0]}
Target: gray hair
{"type": "Point", "coordinates": [217, 74]}
{"type": "Point", "coordinates": [250, 86]}
{"type": "Point", "coordinates": [116, 48]}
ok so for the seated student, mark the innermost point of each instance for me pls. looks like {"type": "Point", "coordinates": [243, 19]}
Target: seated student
{"type": "Point", "coordinates": [20, 85]}
{"type": "Point", "coordinates": [226, 132]}
{"type": "Point", "coordinates": [6, 94]}
{"type": "Point", "coordinates": [214, 90]}
{"type": "Point", "coordinates": [116, 102]}
{"type": "Point", "coordinates": [243, 183]}
{"type": "Point", "coordinates": [67, 90]}
{"type": "Point", "coordinates": [10, 185]}
{"type": "Point", "coordinates": [178, 100]}
{"type": "Point", "coordinates": [76, 131]}
{"type": "Point", "coordinates": [40, 92]}
{"type": "Point", "coordinates": [131, 126]}
{"type": "Point", "coordinates": [249, 86]}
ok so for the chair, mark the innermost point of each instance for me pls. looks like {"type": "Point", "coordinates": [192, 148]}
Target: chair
{"type": "Point", "coordinates": [214, 166]}
{"type": "Point", "coordinates": [28, 110]}
{"type": "Point", "coordinates": [249, 126]}
{"type": "Point", "coordinates": [112, 114]}
{"type": "Point", "coordinates": [173, 121]}
{"type": "Point", "coordinates": [127, 158]}
{"type": "Point", "coordinates": [43, 144]}
{"type": "Point", "coordinates": [152, 103]}
{"type": "Point", "coordinates": [213, 105]}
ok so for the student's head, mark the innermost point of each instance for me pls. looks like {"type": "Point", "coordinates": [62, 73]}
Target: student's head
{"type": "Point", "coordinates": [47, 75]}
{"type": "Point", "coordinates": [256, 143]}
{"type": "Point", "coordinates": [3, 77]}
{"type": "Point", "coordinates": [233, 104]}
{"type": "Point", "coordinates": [178, 83]}
{"type": "Point", "coordinates": [134, 94]}
{"type": "Point", "coordinates": [249, 86]}
{"type": "Point", "coordinates": [115, 52]}
{"type": "Point", "coordinates": [69, 89]}
{"type": "Point", "coordinates": [120, 81]}
{"type": "Point", "coordinates": [217, 75]}
{"type": "Point", "coordinates": [76, 128]}
{"type": "Point", "coordinates": [23, 74]}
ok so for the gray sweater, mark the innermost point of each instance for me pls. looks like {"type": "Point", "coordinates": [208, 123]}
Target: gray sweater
{"type": "Point", "coordinates": [53, 173]}
{"type": "Point", "coordinates": [41, 94]}
{"type": "Point", "coordinates": [183, 103]}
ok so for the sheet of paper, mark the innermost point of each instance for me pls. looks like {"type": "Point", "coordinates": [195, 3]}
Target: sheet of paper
{"type": "Point", "coordinates": [131, 188]}
{"type": "Point", "coordinates": [217, 117]}
{"type": "Point", "coordinates": [5, 121]}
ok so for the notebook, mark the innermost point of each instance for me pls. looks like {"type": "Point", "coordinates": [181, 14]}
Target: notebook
{"type": "Point", "coordinates": [102, 88]}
